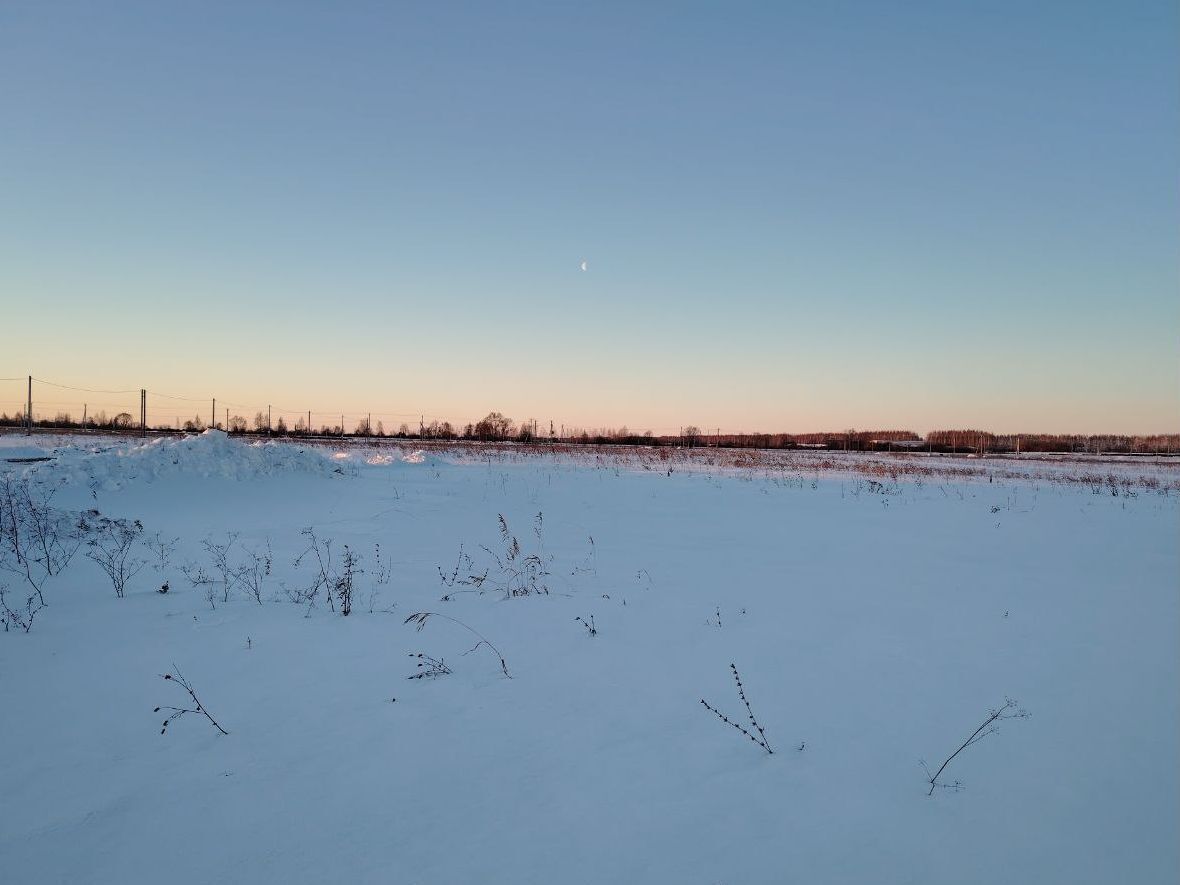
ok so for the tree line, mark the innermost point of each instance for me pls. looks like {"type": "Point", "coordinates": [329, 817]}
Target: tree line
{"type": "Point", "coordinates": [497, 427]}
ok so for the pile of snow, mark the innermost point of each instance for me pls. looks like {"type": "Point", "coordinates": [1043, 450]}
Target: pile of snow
{"type": "Point", "coordinates": [379, 458]}
{"type": "Point", "coordinates": [212, 454]}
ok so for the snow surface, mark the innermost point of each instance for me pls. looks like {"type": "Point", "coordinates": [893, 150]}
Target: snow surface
{"type": "Point", "coordinates": [874, 622]}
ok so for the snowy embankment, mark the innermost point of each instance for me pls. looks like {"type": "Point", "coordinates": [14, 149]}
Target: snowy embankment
{"type": "Point", "coordinates": [874, 624]}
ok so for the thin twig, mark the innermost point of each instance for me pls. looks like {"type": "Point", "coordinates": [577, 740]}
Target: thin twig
{"type": "Point", "coordinates": [177, 712]}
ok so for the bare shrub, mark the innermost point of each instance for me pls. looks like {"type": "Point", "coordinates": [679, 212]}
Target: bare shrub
{"type": "Point", "coordinates": [252, 573]}
{"type": "Point", "coordinates": [12, 618]}
{"type": "Point", "coordinates": [321, 552]}
{"type": "Point", "coordinates": [198, 577]}
{"type": "Point", "coordinates": [162, 550]}
{"type": "Point", "coordinates": [110, 548]}
{"type": "Point", "coordinates": [218, 552]}
{"type": "Point", "coordinates": [37, 540]}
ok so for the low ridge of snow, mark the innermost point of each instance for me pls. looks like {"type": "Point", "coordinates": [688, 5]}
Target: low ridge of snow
{"type": "Point", "coordinates": [210, 454]}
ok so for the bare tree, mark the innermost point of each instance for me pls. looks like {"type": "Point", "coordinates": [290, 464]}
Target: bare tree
{"type": "Point", "coordinates": [494, 427]}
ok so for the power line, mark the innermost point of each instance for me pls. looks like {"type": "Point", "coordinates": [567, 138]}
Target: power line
{"type": "Point", "coordinates": [188, 399]}
{"type": "Point", "coordinates": [82, 389]}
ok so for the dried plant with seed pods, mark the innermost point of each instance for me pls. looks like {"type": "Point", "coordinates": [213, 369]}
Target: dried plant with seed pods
{"type": "Point", "coordinates": [429, 668]}
{"type": "Point", "coordinates": [760, 740]}
{"type": "Point", "coordinates": [588, 566]}
{"type": "Point", "coordinates": [521, 574]}
{"type": "Point", "coordinates": [1010, 709]}
{"type": "Point", "coordinates": [462, 575]}
{"type": "Point", "coordinates": [177, 712]}
{"type": "Point", "coordinates": [418, 619]}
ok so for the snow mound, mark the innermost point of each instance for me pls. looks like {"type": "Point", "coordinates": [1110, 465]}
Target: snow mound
{"type": "Point", "coordinates": [212, 454]}
{"type": "Point", "coordinates": [379, 459]}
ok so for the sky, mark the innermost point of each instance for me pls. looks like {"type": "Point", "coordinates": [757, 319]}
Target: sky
{"type": "Point", "coordinates": [794, 216]}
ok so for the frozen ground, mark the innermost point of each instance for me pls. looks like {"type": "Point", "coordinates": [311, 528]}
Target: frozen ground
{"type": "Point", "coordinates": [875, 618]}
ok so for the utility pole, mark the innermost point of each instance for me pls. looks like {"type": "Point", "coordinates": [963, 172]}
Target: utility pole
{"type": "Point", "coordinates": [268, 431]}
{"type": "Point", "coordinates": [213, 415]}
{"type": "Point", "coordinates": [29, 411]}
{"type": "Point", "coordinates": [83, 416]}
{"type": "Point", "coordinates": [342, 427]}
{"type": "Point", "coordinates": [143, 410]}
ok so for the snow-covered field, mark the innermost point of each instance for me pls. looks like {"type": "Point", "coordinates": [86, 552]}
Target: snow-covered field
{"type": "Point", "coordinates": [875, 618]}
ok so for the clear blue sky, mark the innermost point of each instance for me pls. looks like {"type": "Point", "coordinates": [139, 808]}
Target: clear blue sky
{"type": "Point", "coordinates": [795, 215]}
